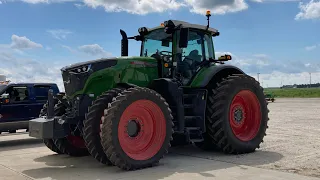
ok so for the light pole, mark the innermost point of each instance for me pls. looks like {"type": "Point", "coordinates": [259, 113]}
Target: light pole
{"type": "Point", "coordinates": [258, 77]}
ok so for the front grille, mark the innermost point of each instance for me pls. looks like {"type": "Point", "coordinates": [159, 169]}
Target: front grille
{"type": "Point", "coordinates": [75, 76]}
{"type": "Point", "coordinates": [73, 82]}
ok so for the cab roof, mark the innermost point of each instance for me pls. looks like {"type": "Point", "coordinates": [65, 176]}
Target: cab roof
{"type": "Point", "coordinates": [213, 31]}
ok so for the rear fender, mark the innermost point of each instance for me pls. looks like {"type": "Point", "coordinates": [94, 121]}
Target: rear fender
{"type": "Point", "coordinates": [126, 85]}
{"type": "Point", "coordinates": [213, 74]}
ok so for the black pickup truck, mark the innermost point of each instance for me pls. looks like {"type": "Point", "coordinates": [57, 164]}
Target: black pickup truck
{"type": "Point", "coordinates": [21, 102]}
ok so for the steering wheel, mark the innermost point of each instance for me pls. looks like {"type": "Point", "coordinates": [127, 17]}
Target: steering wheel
{"type": "Point", "coordinates": [167, 56]}
{"type": "Point", "coordinates": [168, 53]}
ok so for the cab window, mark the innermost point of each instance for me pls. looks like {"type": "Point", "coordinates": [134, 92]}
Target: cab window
{"type": "Point", "coordinates": [157, 43]}
{"type": "Point", "coordinates": [208, 46]}
{"type": "Point", "coordinates": [18, 94]}
{"type": "Point", "coordinates": [41, 92]}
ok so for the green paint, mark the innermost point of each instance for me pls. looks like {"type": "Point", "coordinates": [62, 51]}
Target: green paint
{"type": "Point", "coordinates": [201, 75]}
{"type": "Point", "coordinates": [141, 73]}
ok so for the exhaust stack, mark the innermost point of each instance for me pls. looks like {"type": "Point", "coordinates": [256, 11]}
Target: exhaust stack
{"type": "Point", "coordinates": [124, 43]}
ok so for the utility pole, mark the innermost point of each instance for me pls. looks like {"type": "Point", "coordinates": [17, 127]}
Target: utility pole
{"type": "Point", "coordinates": [310, 78]}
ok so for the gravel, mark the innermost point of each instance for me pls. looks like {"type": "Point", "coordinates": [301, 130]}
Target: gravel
{"type": "Point", "coordinates": [292, 143]}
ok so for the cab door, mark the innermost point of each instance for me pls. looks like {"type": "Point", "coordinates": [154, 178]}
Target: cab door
{"type": "Point", "coordinates": [18, 108]}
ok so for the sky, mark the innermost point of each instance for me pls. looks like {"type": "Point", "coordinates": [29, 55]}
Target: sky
{"type": "Point", "coordinates": [280, 39]}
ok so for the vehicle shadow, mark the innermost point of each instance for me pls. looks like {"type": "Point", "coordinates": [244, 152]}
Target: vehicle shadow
{"type": "Point", "coordinates": [180, 160]}
{"type": "Point", "coordinates": [18, 144]}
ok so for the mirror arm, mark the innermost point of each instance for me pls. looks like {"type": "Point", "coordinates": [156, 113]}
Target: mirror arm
{"type": "Point", "coordinates": [217, 61]}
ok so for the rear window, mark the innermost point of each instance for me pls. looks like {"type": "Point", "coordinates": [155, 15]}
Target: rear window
{"type": "Point", "coordinates": [41, 92]}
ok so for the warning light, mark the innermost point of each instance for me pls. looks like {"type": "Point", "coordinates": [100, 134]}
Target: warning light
{"type": "Point", "coordinates": [166, 65]}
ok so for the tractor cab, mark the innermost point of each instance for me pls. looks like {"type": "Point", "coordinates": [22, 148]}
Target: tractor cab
{"type": "Point", "coordinates": [179, 47]}
{"type": "Point", "coordinates": [175, 58]}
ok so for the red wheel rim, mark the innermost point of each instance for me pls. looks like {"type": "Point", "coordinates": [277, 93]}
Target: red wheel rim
{"type": "Point", "coordinates": [151, 133]}
{"type": "Point", "coordinates": [245, 115]}
{"type": "Point", "coordinates": [76, 141]}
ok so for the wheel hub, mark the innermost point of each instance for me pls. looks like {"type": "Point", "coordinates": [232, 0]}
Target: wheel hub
{"type": "Point", "coordinates": [133, 128]}
{"type": "Point", "coordinates": [238, 115]}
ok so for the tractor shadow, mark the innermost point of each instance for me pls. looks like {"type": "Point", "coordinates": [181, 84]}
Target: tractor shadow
{"type": "Point", "coordinates": [187, 159]}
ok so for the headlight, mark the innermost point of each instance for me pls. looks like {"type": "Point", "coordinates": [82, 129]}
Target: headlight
{"type": "Point", "coordinates": [81, 69]}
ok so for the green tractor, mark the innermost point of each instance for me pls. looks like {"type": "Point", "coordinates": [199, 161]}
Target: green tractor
{"type": "Point", "coordinates": [127, 111]}
{"type": "Point", "coordinates": [269, 96]}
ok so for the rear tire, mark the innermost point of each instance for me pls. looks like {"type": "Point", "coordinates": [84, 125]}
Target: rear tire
{"type": "Point", "coordinates": [91, 129]}
{"type": "Point", "coordinates": [237, 114]}
{"type": "Point", "coordinates": [136, 129]}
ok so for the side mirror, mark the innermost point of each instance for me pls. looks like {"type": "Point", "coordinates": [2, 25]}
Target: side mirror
{"type": "Point", "coordinates": [184, 37]}
{"type": "Point", "coordinates": [225, 58]}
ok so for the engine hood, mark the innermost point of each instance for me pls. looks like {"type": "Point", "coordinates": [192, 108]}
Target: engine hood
{"type": "Point", "coordinates": [105, 62]}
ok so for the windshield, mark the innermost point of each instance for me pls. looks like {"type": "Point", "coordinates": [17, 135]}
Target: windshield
{"type": "Point", "coordinates": [155, 42]}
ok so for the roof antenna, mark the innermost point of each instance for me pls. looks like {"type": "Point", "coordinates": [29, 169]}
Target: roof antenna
{"type": "Point", "coordinates": [208, 14]}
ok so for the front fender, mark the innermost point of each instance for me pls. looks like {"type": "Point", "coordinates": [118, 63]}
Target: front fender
{"type": "Point", "coordinates": [206, 74]}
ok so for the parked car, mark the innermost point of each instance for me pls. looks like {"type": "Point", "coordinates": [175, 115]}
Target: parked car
{"type": "Point", "coordinates": [21, 102]}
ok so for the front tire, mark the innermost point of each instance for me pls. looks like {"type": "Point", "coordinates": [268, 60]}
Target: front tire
{"type": "Point", "coordinates": [237, 114]}
{"type": "Point", "coordinates": [91, 129]}
{"type": "Point", "coordinates": [71, 145]}
{"type": "Point", "coordinates": [136, 129]}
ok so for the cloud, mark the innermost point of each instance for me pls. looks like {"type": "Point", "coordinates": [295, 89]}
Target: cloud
{"type": "Point", "coordinates": [68, 48]}
{"type": "Point", "coordinates": [143, 7]}
{"type": "Point", "coordinates": [149, 6]}
{"type": "Point", "coordinates": [264, 1]}
{"type": "Point", "coordinates": [46, 1]}
{"type": "Point", "coordinates": [217, 6]}
{"type": "Point", "coordinates": [309, 10]}
{"type": "Point", "coordinates": [59, 33]}
{"type": "Point", "coordinates": [48, 48]}
{"type": "Point", "coordinates": [277, 78]}
{"type": "Point", "coordinates": [19, 68]}
{"type": "Point", "coordinates": [38, 1]}
{"type": "Point", "coordinates": [264, 64]}
{"type": "Point", "coordinates": [135, 6]}
{"type": "Point", "coordinates": [23, 43]}
{"type": "Point", "coordinates": [29, 70]}
{"type": "Point", "coordinates": [94, 50]}
{"type": "Point", "coordinates": [310, 48]}
{"type": "Point", "coordinates": [272, 73]}
{"type": "Point", "coordinates": [79, 6]}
